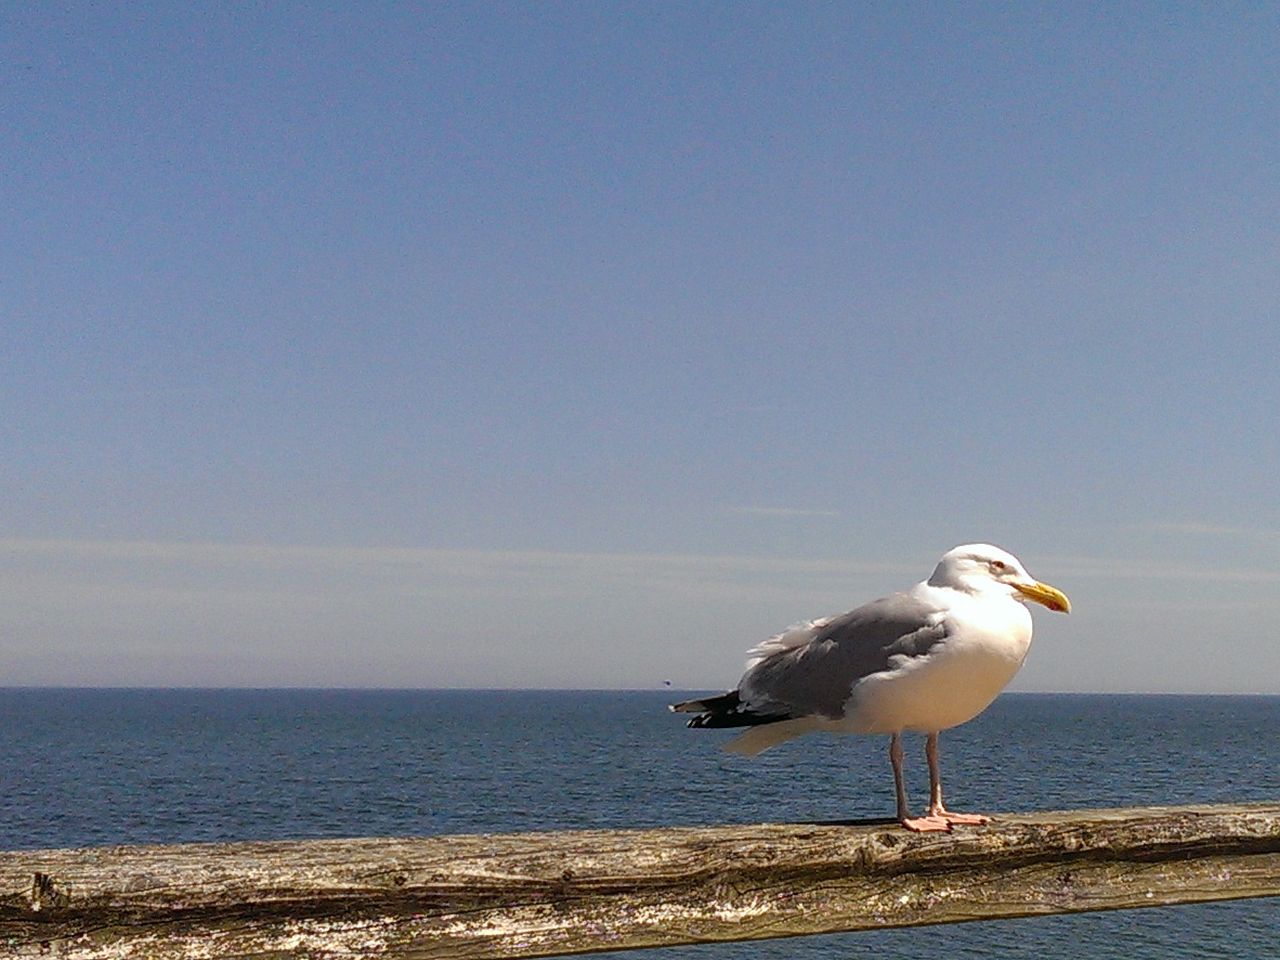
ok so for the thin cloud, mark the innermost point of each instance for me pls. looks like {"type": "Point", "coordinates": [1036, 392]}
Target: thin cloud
{"type": "Point", "coordinates": [1212, 530]}
{"type": "Point", "coordinates": [1110, 568]}
{"type": "Point", "coordinates": [783, 512]}
{"type": "Point", "coordinates": [407, 562]}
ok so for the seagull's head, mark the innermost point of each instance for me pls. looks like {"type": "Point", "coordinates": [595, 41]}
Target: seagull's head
{"type": "Point", "coordinates": [982, 568]}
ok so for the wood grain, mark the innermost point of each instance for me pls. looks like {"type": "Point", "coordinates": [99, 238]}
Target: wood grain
{"type": "Point", "coordinates": [546, 894]}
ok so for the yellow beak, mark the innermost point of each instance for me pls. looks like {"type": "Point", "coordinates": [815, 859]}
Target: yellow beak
{"type": "Point", "coordinates": [1051, 597]}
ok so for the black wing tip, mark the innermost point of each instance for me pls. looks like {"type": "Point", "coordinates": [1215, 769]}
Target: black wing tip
{"type": "Point", "coordinates": [716, 704]}
{"type": "Point", "coordinates": [739, 718]}
{"type": "Point", "coordinates": [726, 710]}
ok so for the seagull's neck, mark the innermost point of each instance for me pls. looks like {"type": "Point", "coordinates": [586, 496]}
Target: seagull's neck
{"type": "Point", "coordinates": [948, 591]}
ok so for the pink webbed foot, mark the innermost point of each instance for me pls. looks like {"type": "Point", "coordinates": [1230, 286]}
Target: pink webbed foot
{"type": "Point", "coordinates": [927, 824]}
{"type": "Point", "coordinates": [968, 819]}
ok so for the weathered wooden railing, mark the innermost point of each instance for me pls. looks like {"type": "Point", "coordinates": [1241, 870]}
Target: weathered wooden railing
{"type": "Point", "coordinates": [545, 894]}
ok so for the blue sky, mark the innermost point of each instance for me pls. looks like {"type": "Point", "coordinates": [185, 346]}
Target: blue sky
{"type": "Point", "coordinates": [588, 344]}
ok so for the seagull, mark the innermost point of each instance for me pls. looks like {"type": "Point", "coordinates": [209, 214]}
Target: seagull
{"type": "Point", "coordinates": [925, 660]}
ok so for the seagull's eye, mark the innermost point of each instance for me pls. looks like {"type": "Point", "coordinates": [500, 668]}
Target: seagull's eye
{"type": "Point", "coordinates": [998, 566]}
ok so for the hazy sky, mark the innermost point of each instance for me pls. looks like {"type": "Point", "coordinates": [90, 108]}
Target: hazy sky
{"type": "Point", "coordinates": [587, 344]}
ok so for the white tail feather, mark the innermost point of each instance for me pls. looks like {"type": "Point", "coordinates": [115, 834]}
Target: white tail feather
{"type": "Point", "coordinates": [758, 739]}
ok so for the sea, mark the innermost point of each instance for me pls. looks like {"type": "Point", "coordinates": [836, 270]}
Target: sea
{"type": "Point", "coordinates": [91, 767]}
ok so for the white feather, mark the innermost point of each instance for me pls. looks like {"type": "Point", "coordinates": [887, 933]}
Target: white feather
{"type": "Point", "coordinates": [796, 635]}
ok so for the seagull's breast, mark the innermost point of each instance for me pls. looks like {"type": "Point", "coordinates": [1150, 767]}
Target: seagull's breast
{"type": "Point", "coordinates": [987, 640]}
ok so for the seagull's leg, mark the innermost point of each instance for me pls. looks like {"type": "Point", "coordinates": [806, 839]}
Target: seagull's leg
{"type": "Point", "coordinates": [899, 781]}
{"type": "Point", "coordinates": [919, 824]}
{"type": "Point", "coordinates": [936, 809]}
{"type": "Point", "coordinates": [935, 776]}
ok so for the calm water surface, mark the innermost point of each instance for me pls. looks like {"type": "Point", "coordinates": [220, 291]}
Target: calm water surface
{"type": "Point", "coordinates": [86, 767]}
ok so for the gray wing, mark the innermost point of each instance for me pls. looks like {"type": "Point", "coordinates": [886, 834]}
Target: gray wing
{"type": "Point", "coordinates": [817, 677]}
